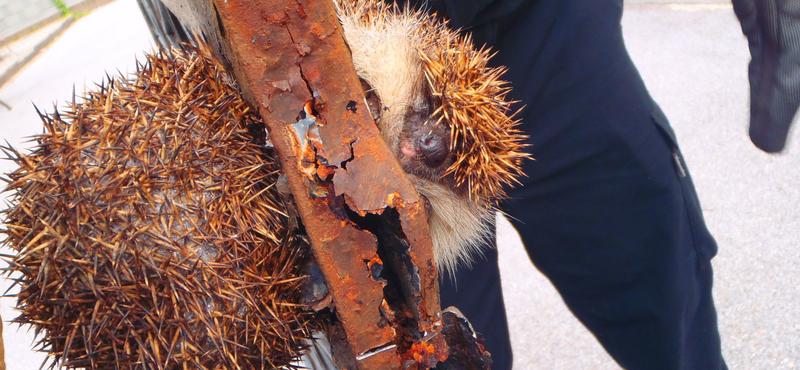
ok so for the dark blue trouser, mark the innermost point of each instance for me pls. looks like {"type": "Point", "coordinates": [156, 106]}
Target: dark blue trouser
{"type": "Point", "coordinates": [607, 211]}
{"type": "Point", "coordinates": [622, 238]}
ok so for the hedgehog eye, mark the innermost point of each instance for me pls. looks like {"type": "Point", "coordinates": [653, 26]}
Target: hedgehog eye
{"type": "Point", "coordinates": [372, 101]}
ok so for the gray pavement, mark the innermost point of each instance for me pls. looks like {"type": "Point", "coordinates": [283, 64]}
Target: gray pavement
{"type": "Point", "coordinates": [15, 55]}
{"type": "Point", "coordinates": [694, 60]}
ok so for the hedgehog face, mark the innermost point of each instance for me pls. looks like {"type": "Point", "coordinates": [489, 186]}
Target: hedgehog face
{"type": "Point", "coordinates": [386, 46]}
{"type": "Point", "coordinates": [423, 145]}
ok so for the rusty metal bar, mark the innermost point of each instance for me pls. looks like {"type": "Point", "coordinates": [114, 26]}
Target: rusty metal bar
{"type": "Point", "coordinates": [293, 65]}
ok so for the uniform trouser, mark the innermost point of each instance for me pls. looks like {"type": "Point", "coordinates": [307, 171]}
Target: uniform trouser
{"type": "Point", "coordinates": [622, 238]}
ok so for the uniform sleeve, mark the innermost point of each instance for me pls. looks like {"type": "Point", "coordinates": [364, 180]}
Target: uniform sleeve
{"type": "Point", "coordinates": [772, 28]}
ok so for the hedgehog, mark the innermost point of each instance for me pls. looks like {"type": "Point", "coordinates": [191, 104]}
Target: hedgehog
{"type": "Point", "coordinates": [147, 230]}
{"type": "Point", "coordinates": [445, 115]}
{"type": "Point", "coordinates": [147, 224]}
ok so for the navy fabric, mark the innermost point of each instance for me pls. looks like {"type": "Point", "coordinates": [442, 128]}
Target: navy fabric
{"type": "Point", "coordinates": [772, 28]}
{"type": "Point", "coordinates": [608, 211]}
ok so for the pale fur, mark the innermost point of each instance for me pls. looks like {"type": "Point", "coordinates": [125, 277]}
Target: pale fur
{"type": "Point", "coordinates": [385, 51]}
{"type": "Point", "coordinates": [459, 227]}
{"type": "Point", "coordinates": [386, 56]}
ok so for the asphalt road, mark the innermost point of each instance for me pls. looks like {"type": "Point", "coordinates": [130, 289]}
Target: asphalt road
{"type": "Point", "coordinates": [694, 60]}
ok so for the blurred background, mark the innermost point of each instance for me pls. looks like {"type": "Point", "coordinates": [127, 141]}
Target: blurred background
{"type": "Point", "coordinates": [694, 59]}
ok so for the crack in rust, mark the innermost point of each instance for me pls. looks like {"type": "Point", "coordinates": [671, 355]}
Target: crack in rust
{"type": "Point", "coordinates": [343, 165]}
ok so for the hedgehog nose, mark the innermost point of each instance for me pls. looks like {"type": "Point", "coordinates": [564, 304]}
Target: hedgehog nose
{"type": "Point", "coordinates": [432, 149]}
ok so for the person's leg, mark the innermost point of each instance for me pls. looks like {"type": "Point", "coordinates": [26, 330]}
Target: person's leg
{"type": "Point", "coordinates": [607, 211]}
{"type": "Point", "coordinates": [477, 293]}
{"type": "Point", "coordinates": [619, 232]}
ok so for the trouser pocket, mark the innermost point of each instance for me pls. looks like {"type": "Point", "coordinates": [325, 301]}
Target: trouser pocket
{"type": "Point", "coordinates": [704, 243]}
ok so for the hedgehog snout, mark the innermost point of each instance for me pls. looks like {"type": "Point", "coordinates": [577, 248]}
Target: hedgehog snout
{"type": "Point", "coordinates": [432, 149]}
